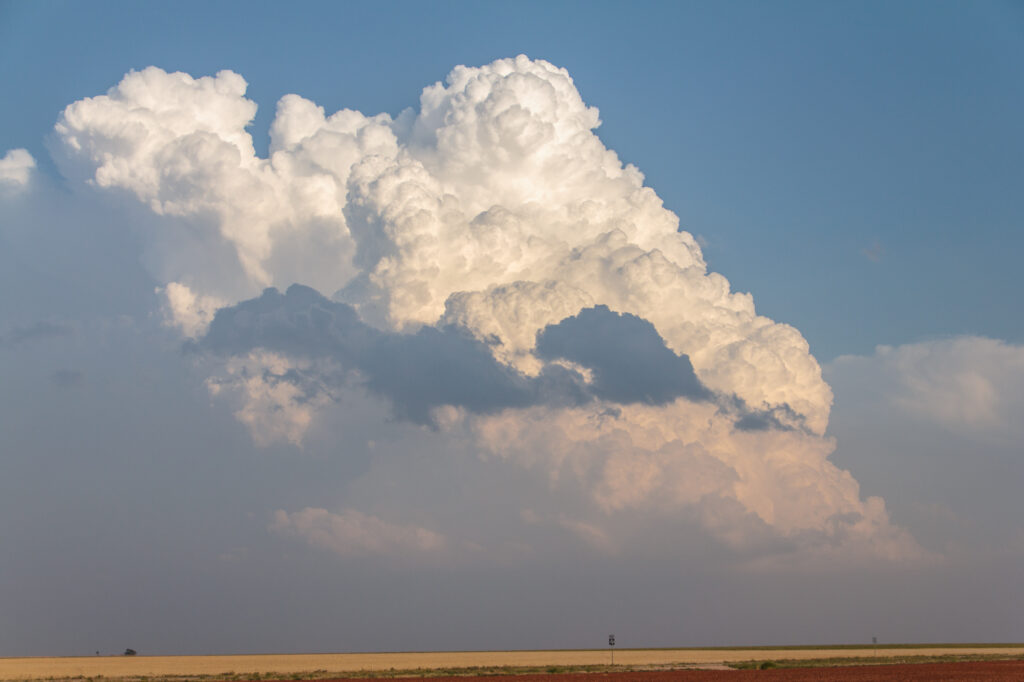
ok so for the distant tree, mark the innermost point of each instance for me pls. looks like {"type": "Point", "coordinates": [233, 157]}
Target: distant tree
{"type": "Point", "coordinates": [129, 652]}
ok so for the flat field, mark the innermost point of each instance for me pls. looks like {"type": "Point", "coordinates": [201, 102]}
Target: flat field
{"type": "Point", "coordinates": [990, 671]}
{"type": "Point", "coordinates": [136, 667]}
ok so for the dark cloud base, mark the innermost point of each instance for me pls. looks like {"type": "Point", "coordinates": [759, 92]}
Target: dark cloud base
{"type": "Point", "coordinates": [448, 366]}
{"type": "Point", "coordinates": [628, 360]}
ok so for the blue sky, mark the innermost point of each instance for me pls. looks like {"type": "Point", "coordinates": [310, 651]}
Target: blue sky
{"type": "Point", "coordinates": [856, 168]}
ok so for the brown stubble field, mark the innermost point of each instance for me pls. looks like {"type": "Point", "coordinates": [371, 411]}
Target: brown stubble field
{"type": "Point", "coordinates": [432, 663]}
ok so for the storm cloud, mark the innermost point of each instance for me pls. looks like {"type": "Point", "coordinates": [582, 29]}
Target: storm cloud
{"type": "Point", "coordinates": [490, 269]}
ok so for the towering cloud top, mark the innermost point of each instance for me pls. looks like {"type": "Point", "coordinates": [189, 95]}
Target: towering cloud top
{"type": "Point", "coordinates": [493, 233]}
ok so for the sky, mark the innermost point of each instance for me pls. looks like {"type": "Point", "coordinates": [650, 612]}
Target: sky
{"type": "Point", "coordinates": [458, 325]}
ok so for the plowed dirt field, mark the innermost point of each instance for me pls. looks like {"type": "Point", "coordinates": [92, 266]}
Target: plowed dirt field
{"type": "Point", "coordinates": [919, 672]}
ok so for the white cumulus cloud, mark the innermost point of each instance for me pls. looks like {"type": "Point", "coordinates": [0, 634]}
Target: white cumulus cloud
{"type": "Point", "coordinates": [496, 210]}
{"type": "Point", "coordinates": [968, 384]}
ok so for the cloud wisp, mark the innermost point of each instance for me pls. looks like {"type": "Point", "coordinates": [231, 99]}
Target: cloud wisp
{"type": "Point", "coordinates": [37, 331]}
{"type": "Point", "coordinates": [16, 168]}
{"type": "Point", "coordinates": [489, 268]}
{"type": "Point", "coordinates": [351, 533]}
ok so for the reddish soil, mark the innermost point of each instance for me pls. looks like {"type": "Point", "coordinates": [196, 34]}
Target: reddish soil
{"type": "Point", "coordinates": [932, 672]}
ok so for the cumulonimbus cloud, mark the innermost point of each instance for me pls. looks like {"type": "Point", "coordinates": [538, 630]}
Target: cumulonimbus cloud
{"type": "Point", "coordinates": [492, 269]}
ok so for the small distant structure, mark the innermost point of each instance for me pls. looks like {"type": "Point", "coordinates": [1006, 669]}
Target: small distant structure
{"type": "Point", "coordinates": [129, 652]}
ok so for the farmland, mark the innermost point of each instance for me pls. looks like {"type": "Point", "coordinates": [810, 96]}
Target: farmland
{"type": "Point", "coordinates": [466, 662]}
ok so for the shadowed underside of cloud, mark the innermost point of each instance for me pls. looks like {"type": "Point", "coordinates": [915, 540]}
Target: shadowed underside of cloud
{"type": "Point", "coordinates": [448, 366]}
{"type": "Point", "coordinates": [777, 417]}
{"type": "Point", "coordinates": [629, 359]}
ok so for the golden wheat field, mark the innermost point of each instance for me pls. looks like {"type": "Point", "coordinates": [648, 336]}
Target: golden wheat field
{"type": "Point", "coordinates": [164, 666]}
